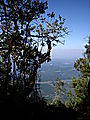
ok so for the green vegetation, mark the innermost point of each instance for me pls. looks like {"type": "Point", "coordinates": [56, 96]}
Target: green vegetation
{"type": "Point", "coordinates": [58, 84]}
{"type": "Point", "coordinates": [79, 98]}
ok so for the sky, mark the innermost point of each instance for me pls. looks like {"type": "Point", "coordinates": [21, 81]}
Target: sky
{"type": "Point", "coordinates": [77, 15]}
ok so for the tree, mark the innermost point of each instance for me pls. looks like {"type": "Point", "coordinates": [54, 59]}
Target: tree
{"type": "Point", "coordinates": [58, 91]}
{"type": "Point", "coordinates": [83, 64]}
{"type": "Point", "coordinates": [78, 99]}
{"type": "Point", "coordinates": [25, 32]}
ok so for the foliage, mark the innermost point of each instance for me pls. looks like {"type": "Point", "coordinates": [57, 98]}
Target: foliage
{"type": "Point", "coordinates": [83, 64]}
{"type": "Point", "coordinates": [25, 32]}
{"type": "Point", "coordinates": [58, 87]}
{"type": "Point", "coordinates": [78, 98]}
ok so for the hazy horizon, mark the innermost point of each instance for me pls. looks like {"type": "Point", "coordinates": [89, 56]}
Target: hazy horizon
{"type": "Point", "coordinates": [66, 53]}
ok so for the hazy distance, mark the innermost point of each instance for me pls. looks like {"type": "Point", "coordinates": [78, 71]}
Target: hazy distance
{"type": "Point", "coordinates": [58, 53]}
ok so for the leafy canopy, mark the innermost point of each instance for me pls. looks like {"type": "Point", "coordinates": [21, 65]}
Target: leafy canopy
{"type": "Point", "coordinates": [27, 36]}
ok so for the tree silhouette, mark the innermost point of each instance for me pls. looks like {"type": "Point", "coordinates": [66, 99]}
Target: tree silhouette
{"type": "Point", "coordinates": [27, 35]}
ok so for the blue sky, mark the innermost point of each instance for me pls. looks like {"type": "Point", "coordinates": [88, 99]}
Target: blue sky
{"type": "Point", "coordinates": [77, 15]}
